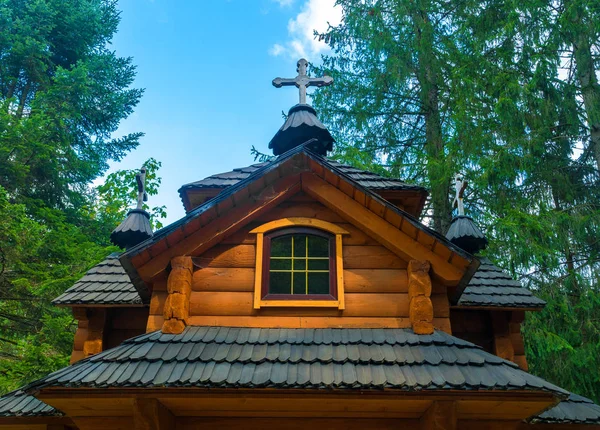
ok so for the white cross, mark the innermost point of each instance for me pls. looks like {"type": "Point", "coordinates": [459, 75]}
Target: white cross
{"type": "Point", "coordinates": [302, 81]}
{"type": "Point", "coordinates": [460, 186]}
{"type": "Point", "coordinates": [140, 178]}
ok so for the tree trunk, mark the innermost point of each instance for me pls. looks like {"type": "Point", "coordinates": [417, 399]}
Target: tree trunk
{"type": "Point", "coordinates": [590, 90]}
{"type": "Point", "coordinates": [23, 99]}
{"type": "Point", "coordinates": [427, 75]}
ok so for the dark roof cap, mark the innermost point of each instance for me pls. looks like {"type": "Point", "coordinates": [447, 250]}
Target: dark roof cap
{"type": "Point", "coordinates": [464, 233]}
{"type": "Point", "coordinates": [300, 126]}
{"type": "Point", "coordinates": [133, 230]}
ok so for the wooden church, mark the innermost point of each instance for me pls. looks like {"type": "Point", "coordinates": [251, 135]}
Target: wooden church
{"type": "Point", "coordinates": [297, 293]}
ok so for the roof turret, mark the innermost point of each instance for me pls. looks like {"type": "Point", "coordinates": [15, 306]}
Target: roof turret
{"type": "Point", "coordinates": [463, 231]}
{"type": "Point", "coordinates": [302, 123]}
{"type": "Point", "coordinates": [136, 226]}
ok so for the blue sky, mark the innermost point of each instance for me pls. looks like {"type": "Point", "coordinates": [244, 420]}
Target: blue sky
{"type": "Point", "coordinates": [207, 68]}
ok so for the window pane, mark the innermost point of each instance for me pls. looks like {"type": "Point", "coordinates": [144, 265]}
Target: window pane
{"type": "Point", "coordinates": [280, 283]}
{"type": "Point", "coordinates": [318, 283]}
{"type": "Point", "coordinates": [318, 264]}
{"type": "Point", "coordinates": [299, 282]}
{"type": "Point", "coordinates": [281, 264]}
{"type": "Point", "coordinates": [318, 246]}
{"type": "Point", "coordinates": [300, 245]}
{"type": "Point", "coordinates": [281, 246]}
{"type": "Point", "coordinates": [299, 264]}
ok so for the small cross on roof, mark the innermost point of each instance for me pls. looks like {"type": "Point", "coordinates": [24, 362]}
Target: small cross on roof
{"type": "Point", "coordinates": [460, 186]}
{"type": "Point", "coordinates": [302, 81]}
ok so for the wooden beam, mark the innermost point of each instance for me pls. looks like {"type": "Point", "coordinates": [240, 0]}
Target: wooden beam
{"type": "Point", "coordinates": [150, 414]}
{"type": "Point", "coordinates": [96, 324]}
{"type": "Point", "coordinates": [419, 295]}
{"type": "Point", "coordinates": [441, 415]}
{"type": "Point", "coordinates": [227, 223]}
{"type": "Point", "coordinates": [385, 233]}
{"type": "Point", "coordinates": [503, 346]}
{"type": "Point", "coordinates": [179, 287]}
{"type": "Point", "coordinates": [103, 423]}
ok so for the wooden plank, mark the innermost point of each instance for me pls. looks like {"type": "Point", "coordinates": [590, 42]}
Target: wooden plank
{"type": "Point", "coordinates": [503, 346]}
{"type": "Point", "coordinates": [295, 221]}
{"type": "Point", "coordinates": [392, 238]}
{"type": "Point", "coordinates": [356, 236]}
{"type": "Point", "coordinates": [103, 423]}
{"type": "Point", "coordinates": [214, 232]}
{"type": "Point", "coordinates": [241, 303]}
{"type": "Point", "coordinates": [157, 302]}
{"type": "Point", "coordinates": [518, 344]}
{"type": "Point", "coordinates": [376, 281]}
{"type": "Point", "coordinates": [355, 257]}
{"type": "Point", "coordinates": [504, 410]}
{"type": "Point", "coordinates": [376, 305]}
{"type": "Point", "coordinates": [441, 415]}
{"type": "Point", "coordinates": [155, 322]}
{"type": "Point", "coordinates": [288, 321]}
{"type": "Point", "coordinates": [261, 423]}
{"type": "Point", "coordinates": [150, 414]}
{"type": "Point", "coordinates": [128, 318]}
{"type": "Point", "coordinates": [223, 279]}
{"type": "Point", "coordinates": [240, 256]}
{"type": "Point", "coordinates": [371, 257]}
{"type": "Point", "coordinates": [312, 209]}
{"type": "Point", "coordinates": [441, 305]}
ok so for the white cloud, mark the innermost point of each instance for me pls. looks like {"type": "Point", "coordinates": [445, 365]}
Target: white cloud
{"type": "Point", "coordinates": [284, 3]}
{"type": "Point", "coordinates": [276, 50]}
{"type": "Point", "coordinates": [314, 15]}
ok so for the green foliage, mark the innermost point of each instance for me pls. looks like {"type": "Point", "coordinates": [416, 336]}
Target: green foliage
{"type": "Point", "coordinates": [63, 94]}
{"type": "Point", "coordinates": [120, 192]}
{"type": "Point", "coordinates": [505, 93]}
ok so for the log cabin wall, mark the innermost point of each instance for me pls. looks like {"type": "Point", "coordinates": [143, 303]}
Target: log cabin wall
{"type": "Point", "coordinates": [375, 282]}
{"type": "Point", "coordinates": [101, 328]}
{"type": "Point", "coordinates": [496, 331]}
{"type": "Point", "coordinates": [123, 324]}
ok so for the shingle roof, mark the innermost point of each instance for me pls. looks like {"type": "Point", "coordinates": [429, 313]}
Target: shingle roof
{"type": "Point", "coordinates": [20, 404]}
{"type": "Point", "coordinates": [493, 287]}
{"type": "Point", "coordinates": [105, 283]}
{"type": "Point", "coordinates": [367, 179]}
{"type": "Point", "coordinates": [574, 410]}
{"type": "Point", "coordinates": [297, 358]}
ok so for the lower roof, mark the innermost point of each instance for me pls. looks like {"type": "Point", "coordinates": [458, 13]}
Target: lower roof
{"type": "Point", "coordinates": [354, 359]}
{"type": "Point", "coordinates": [357, 359]}
{"type": "Point", "coordinates": [492, 287]}
{"type": "Point", "coordinates": [20, 404]}
{"type": "Point", "coordinates": [107, 283]}
{"type": "Point", "coordinates": [574, 410]}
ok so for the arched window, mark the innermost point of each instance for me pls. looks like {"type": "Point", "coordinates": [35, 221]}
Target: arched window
{"type": "Point", "coordinates": [299, 263]}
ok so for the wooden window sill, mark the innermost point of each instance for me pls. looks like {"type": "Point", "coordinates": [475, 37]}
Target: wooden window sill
{"type": "Point", "coordinates": [299, 304]}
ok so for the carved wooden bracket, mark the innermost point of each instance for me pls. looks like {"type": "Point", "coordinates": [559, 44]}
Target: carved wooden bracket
{"type": "Point", "coordinates": [179, 286]}
{"type": "Point", "coordinates": [419, 295]}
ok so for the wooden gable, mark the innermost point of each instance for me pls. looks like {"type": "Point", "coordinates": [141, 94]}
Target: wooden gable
{"type": "Point", "coordinates": [376, 252]}
{"type": "Point", "coordinates": [375, 281]}
{"type": "Point", "coordinates": [298, 171]}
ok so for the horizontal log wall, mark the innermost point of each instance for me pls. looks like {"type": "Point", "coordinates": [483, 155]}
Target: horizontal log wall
{"type": "Point", "coordinates": [124, 323]}
{"type": "Point", "coordinates": [376, 285]}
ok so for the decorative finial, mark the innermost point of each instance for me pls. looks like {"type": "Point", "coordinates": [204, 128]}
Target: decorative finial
{"type": "Point", "coordinates": [460, 186]}
{"type": "Point", "coordinates": [140, 178]}
{"type": "Point", "coordinates": [302, 81]}
{"type": "Point", "coordinates": [136, 227]}
{"type": "Point", "coordinates": [463, 231]}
